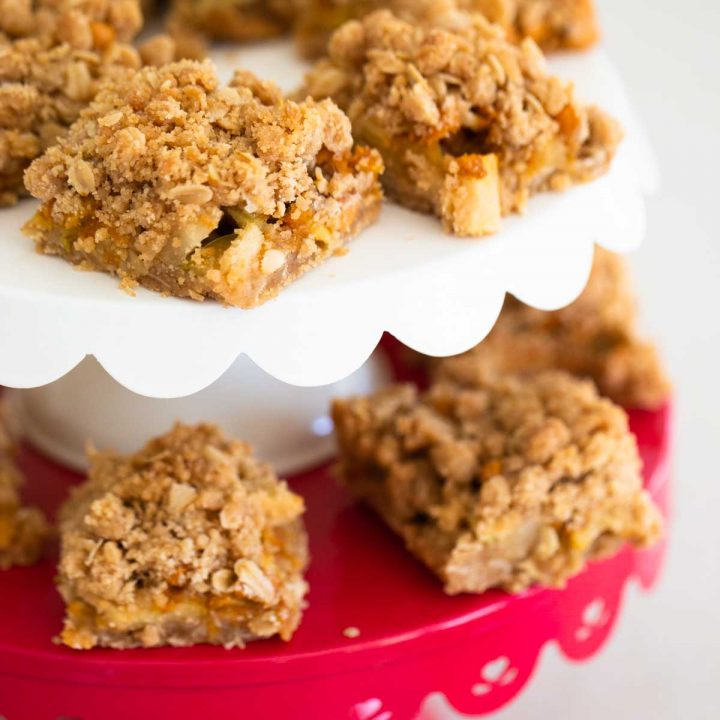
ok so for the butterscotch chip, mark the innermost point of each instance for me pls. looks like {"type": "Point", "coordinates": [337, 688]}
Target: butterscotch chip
{"type": "Point", "coordinates": [505, 484]}
{"type": "Point", "coordinates": [204, 191]}
{"type": "Point", "coordinates": [469, 124]}
{"type": "Point", "coordinates": [553, 24]}
{"type": "Point", "coordinates": [191, 540]}
{"type": "Point", "coordinates": [23, 530]}
{"type": "Point", "coordinates": [594, 337]}
{"type": "Point", "coordinates": [241, 20]}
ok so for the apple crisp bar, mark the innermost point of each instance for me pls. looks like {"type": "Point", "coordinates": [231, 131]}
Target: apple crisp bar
{"type": "Point", "coordinates": [197, 190]}
{"type": "Point", "coordinates": [53, 59]}
{"type": "Point", "coordinates": [191, 540]}
{"type": "Point", "coordinates": [595, 337]}
{"type": "Point", "coordinates": [469, 125]}
{"type": "Point", "coordinates": [553, 24]}
{"type": "Point", "coordinates": [23, 530]}
{"type": "Point", "coordinates": [241, 20]}
{"type": "Point", "coordinates": [515, 482]}
{"type": "Point", "coordinates": [84, 24]}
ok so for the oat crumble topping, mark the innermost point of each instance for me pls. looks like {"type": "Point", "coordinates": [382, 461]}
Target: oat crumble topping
{"type": "Point", "coordinates": [190, 540]}
{"type": "Point", "coordinates": [595, 337]}
{"type": "Point", "coordinates": [23, 530]}
{"type": "Point", "coordinates": [469, 124]}
{"type": "Point", "coordinates": [54, 55]}
{"type": "Point", "coordinates": [198, 190]}
{"type": "Point", "coordinates": [513, 482]}
{"type": "Point", "coordinates": [553, 24]}
{"type": "Point", "coordinates": [84, 24]}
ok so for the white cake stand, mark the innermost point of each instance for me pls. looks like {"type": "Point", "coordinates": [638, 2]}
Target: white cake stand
{"type": "Point", "coordinates": [437, 294]}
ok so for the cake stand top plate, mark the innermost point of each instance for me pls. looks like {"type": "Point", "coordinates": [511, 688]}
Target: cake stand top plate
{"type": "Point", "coordinates": [436, 293]}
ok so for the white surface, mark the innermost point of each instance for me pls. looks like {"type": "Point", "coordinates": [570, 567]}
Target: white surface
{"type": "Point", "coordinates": [664, 661]}
{"type": "Point", "coordinates": [287, 426]}
{"type": "Point", "coordinates": [438, 294]}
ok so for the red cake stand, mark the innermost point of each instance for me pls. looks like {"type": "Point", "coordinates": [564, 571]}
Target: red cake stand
{"type": "Point", "coordinates": [414, 641]}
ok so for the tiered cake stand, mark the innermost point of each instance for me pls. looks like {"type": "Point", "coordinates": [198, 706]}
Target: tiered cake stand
{"type": "Point", "coordinates": [437, 294]}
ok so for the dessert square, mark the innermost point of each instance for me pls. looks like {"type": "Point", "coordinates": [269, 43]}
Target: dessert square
{"type": "Point", "coordinates": [553, 24]}
{"type": "Point", "coordinates": [241, 20]}
{"type": "Point", "coordinates": [594, 337]}
{"type": "Point", "coordinates": [191, 540]}
{"type": "Point", "coordinates": [192, 189]}
{"type": "Point", "coordinates": [469, 124]}
{"type": "Point", "coordinates": [52, 62]}
{"type": "Point", "coordinates": [23, 530]}
{"type": "Point", "coordinates": [504, 485]}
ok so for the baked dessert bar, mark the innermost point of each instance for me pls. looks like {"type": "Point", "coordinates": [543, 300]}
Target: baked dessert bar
{"type": "Point", "coordinates": [553, 24]}
{"type": "Point", "coordinates": [23, 530]}
{"type": "Point", "coordinates": [507, 484]}
{"type": "Point", "coordinates": [241, 20]}
{"type": "Point", "coordinates": [594, 337]}
{"type": "Point", "coordinates": [46, 79]}
{"type": "Point", "coordinates": [469, 124]}
{"type": "Point", "coordinates": [191, 540]}
{"type": "Point", "coordinates": [202, 191]}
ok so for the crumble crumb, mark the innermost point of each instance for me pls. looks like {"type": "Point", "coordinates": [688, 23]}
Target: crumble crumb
{"type": "Point", "coordinates": [595, 337]}
{"type": "Point", "coordinates": [23, 530]}
{"type": "Point", "coordinates": [197, 190]}
{"type": "Point", "coordinates": [556, 24]}
{"type": "Point", "coordinates": [469, 124]}
{"type": "Point", "coordinates": [505, 484]}
{"type": "Point", "coordinates": [190, 540]}
{"type": "Point", "coordinates": [159, 50]}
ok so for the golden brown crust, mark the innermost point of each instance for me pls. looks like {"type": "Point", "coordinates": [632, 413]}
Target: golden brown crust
{"type": "Point", "coordinates": [595, 337]}
{"type": "Point", "coordinates": [463, 118]}
{"type": "Point", "coordinates": [23, 530]}
{"type": "Point", "coordinates": [197, 190]}
{"type": "Point", "coordinates": [190, 540]}
{"type": "Point", "coordinates": [505, 484]}
{"type": "Point", "coordinates": [553, 24]}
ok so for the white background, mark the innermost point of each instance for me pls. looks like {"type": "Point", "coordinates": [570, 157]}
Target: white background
{"type": "Point", "coordinates": [664, 660]}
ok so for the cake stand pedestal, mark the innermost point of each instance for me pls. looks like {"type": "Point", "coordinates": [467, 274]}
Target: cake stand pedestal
{"type": "Point", "coordinates": [288, 424]}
